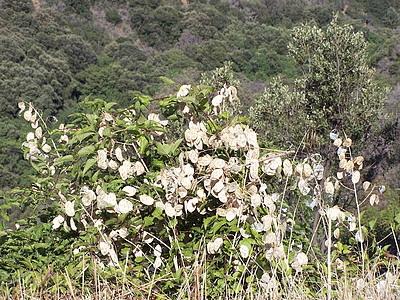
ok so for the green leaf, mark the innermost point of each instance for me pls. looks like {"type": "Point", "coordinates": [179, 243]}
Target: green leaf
{"type": "Point", "coordinates": [107, 132]}
{"type": "Point", "coordinates": [63, 159]}
{"type": "Point", "coordinates": [167, 149]}
{"type": "Point", "coordinates": [166, 80]}
{"type": "Point", "coordinates": [218, 225]}
{"type": "Point", "coordinates": [109, 105]}
{"type": "Point", "coordinates": [143, 142]}
{"type": "Point", "coordinates": [86, 150]}
{"type": "Point", "coordinates": [89, 164]}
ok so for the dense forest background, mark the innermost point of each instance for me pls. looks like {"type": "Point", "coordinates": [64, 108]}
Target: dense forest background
{"type": "Point", "coordinates": [54, 53]}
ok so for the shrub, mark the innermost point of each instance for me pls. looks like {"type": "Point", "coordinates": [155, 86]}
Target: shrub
{"type": "Point", "coordinates": [113, 16]}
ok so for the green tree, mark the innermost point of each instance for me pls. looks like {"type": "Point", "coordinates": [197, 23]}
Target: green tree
{"type": "Point", "coordinates": [337, 83]}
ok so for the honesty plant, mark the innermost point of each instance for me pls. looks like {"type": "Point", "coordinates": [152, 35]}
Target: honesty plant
{"type": "Point", "coordinates": [131, 193]}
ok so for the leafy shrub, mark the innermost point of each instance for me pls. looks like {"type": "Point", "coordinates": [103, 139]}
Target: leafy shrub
{"type": "Point", "coordinates": [211, 202]}
{"type": "Point", "coordinates": [113, 16]}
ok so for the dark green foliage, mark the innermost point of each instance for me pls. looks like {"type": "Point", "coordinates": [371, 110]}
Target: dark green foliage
{"type": "Point", "coordinates": [25, 6]}
{"type": "Point", "coordinates": [113, 17]}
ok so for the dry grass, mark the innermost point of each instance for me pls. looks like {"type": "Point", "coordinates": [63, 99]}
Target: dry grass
{"type": "Point", "coordinates": [380, 280]}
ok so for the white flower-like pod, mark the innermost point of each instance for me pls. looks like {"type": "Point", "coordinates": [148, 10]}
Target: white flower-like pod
{"type": "Point", "coordinates": [191, 135]}
{"type": "Point", "coordinates": [46, 148]}
{"type": "Point", "coordinates": [104, 248]}
{"type": "Point", "coordinates": [213, 247]}
{"type": "Point", "coordinates": [111, 199]}
{"type": "Point", "coordinates": [307, 171]}
{"type": "Point", "coordinates": [222, 196]}
{"type": "Point", "coordinates": [275, 163]}
{"type": "Point", "coordinates": [160, 119]}
{"type": "Point", "coordinates": [338, 142]}
{"type": "Point", "coordinates": [73, 226]}
{"type": "Point", "coordinates": [303, 187]}
{"type": "Point", "coordinates": [374, 199]}
{"type": "Point", "coordinates": [329, 187]}
{"type": "Point", "coordinates": [188, 170]}
{"type": "Point", "coordinates": [125, 206]}
{"type": "Point", "coordinates": [57, 221]}
{"type": "Point", "coordinates": [270, 238]}
{"type": "Point", "coordinates": [333, 135]}
{"type": "Point", "coordinates": [342, 163]}
{"type": "Point", "coordinates": [102, 161]}
{"type": "Point", "coordinates": [30, 136]}
{"type": "Point", "coordinates": [146, 200]}
{"type": "Point", "coordinates": [216, 174]}
{"type": "Point", "coordinates": [221, 212]}
{"type": "Point", "coordinates": [253, 174]}
{"type": "Point", "coordinates": [336, 233]}
{"type": "Point", "coordinates": [349, 166]}
{"type": "Point", "coordinates": [287, 168]}
{"type": "Point", "coordinates": [182, 192]}
{"type": "Point", "coordinates": [184, 90]}
{"type": "Point", "coordinates": [157, 251]}
{"type": "Point", "coordinates": [69, 208]}
{"type": "Point", "coordinates": [217, 100]}
{"type": "Point", "coordinates": [339, 175]}
{"type": "Point", "coordinates": [35, 124]}
{"type": "Point", "coordinates": [63, 139]}
{"type": "Point", "coordinates": [186, 182]}
{"type": "Point", "coordinates": [219, 185]}
{"type": "Point", "coordinates": [179, 209]}
{"type": "Point", "coordinates": [27, 115]}
{"type": "Point", "coordinates": [333, 213]}
{"type": "Point", "coordinates": [190, 205]}
{"type": "Point", "coordinates": [112, 164]}
{"type": "Point", "coordinates": [193, 155]}
{"type": "Point", "coordinates": [267, 222]}
{"type": "Point", "coordinates": [101, 130]}
{"type": "Point", "coordinates": [241, 141]}
{"type": "Point", "coordinates": [231, 214]}
{"type": "Point", "coordinates": [218, 163]}
{"type": "Point", "coordinates": [302, 258]}
{"type": "Point", "coordinates": [352, 226]}
{"type": "Point", "coordinates": [169, 210]}
{"type": "Point", "coordinates": [118, 154]}
{"type": "Point", "coordinates": [157, 262]}
{"type": "Point", "coordinates": [359, 236]}
{"type": "Point", "coordinates": [129, 190]}
{"type": "Point", "coordinates": [204, 161]}
{"type": "Point", "coordinates": [38, 133]}
{"type": "Point", "coordinates": [139, 167]}
{"type": "Point", "coordinates": [251, 137]}
{"type": "Point", "coordinates": [366, 185]}
{"type": "Point", "coordinates": [244, 251]}
{"type": "Point", "coordinates": [123, 232]}
{"type": "Point", "coordinates": [255, 200]}
{"type": "Point", "coordinates": [355, 177]}
{"type": "Point", "coordinates": [147, 238]}
{"type": "Point", "coordinates": [88, 197]}
{"type": "Point", "coordinates": [21, 106]}
{"type": "Point", "coordinates": [359, 160]}
{"type": "Point", "coordinates": [318, 170]}
{"type": "Point", "coordinates": [347, 142]}
{"type": "Point", "coordinates": [125, 170]}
